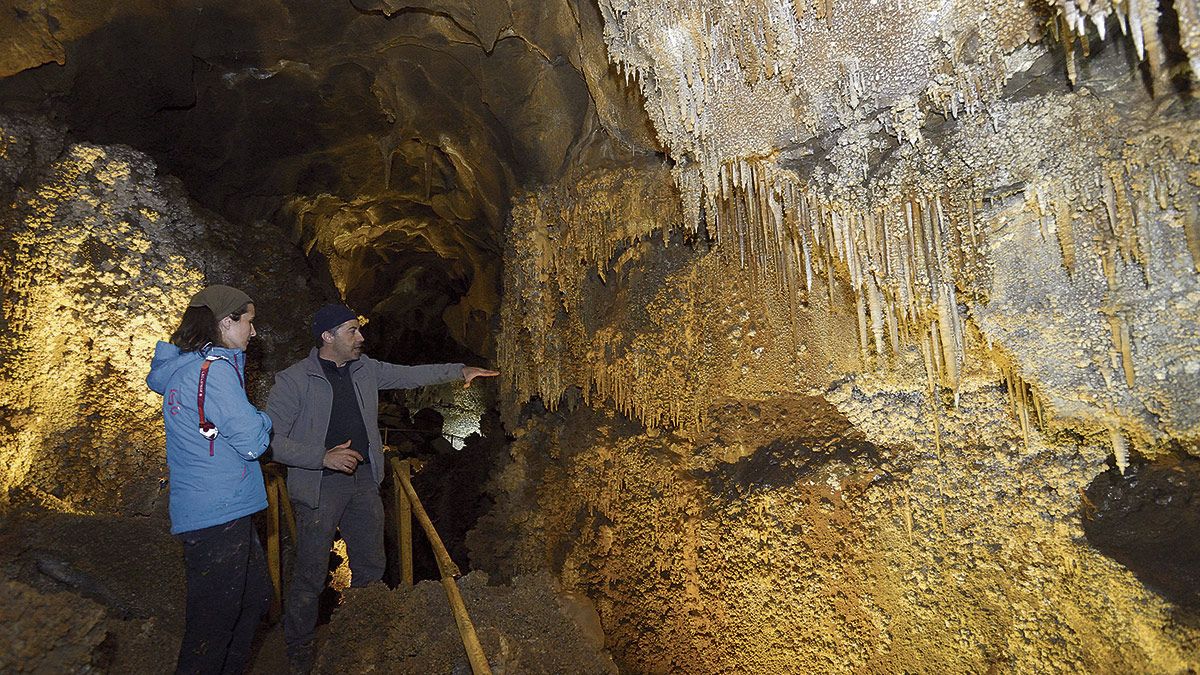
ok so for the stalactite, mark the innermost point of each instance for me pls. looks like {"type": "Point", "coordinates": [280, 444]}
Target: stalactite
{"type": "Point", "coordinates": [1023, 413]}
{"type": "Point", "coordinates": [907, 255]}
{"type": "Point", "coordinates": [1120, 449]}
{"type": "Point", "coordinates": [1064, 229]}
{"type": "Point", "coordinates": [1138, 19]}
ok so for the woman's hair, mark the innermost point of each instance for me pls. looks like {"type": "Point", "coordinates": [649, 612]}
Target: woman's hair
{"type": "Point", "coordinates": [199, 328]}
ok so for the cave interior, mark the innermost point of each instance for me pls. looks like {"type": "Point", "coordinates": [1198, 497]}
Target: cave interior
{"type": "Point", "coordinates": [832, 337]}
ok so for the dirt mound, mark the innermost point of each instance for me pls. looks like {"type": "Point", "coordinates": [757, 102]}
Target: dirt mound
{"type": "Point", "coordinates": [89, 593]}
{"type": "Point", "coordinates": [530, 626]}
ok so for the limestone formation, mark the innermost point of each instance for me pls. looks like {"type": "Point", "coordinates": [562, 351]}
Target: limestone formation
{"type": "Point", "coordinates": [983, 256]}
{"type": "Point", "coordinates": [99, 259]}
{"type": "Point", "coordinates": [796, 536]}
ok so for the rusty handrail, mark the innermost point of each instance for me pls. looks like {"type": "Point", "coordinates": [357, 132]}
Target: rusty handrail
{"type": "Point", "coordinates": [448, 570]}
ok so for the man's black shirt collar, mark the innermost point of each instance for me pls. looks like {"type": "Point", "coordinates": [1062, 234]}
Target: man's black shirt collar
{"type": "Point", "coordinates": [332, 368]}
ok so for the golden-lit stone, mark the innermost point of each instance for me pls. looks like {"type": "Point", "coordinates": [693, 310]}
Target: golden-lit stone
{"type": "Point", "coordinates": [834, 311]}
{"type": "Point", "coordinates": [99, 258]}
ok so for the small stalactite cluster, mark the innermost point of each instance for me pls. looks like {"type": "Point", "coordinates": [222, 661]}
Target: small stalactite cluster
{"type": "Point", "coordinates": [915, 261]}
{"type": "Point", "coordinates": [559, 237]}
{"type": "Point", "coordinates": [900, 256]}
{"type": "Point", "coordinates": [1138, 19]}
{"type": "Point", "coordinates": [1026, 404]}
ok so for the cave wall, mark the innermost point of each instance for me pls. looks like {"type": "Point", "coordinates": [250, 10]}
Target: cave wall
{"type": "Point", "coordinates": [386, 138]}
{"type": "Point", "coordinates": [99, 257]}
{"type": "Point", "coordinates": [1054, 237]}
{"type": "Point", "coordinates": [829, 534]}
{"type": "Point", "coordinates": [826, 391]}
{"type": "Point", "coordinates": [831, 312]}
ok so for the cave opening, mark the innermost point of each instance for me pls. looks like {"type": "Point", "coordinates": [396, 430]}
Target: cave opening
{"type": "Point", "coordinates": [830, 337]}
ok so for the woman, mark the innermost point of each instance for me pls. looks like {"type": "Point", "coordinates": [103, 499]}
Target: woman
{"type": "Point", "coordinates": [214, 437]}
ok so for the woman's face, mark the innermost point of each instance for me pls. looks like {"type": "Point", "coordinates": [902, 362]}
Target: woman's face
{"type": "Point", "coordinates": [237, 334]}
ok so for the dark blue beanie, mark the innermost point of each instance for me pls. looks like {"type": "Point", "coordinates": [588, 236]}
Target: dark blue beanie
{"type": "Point", "coordinates": [330, 317]}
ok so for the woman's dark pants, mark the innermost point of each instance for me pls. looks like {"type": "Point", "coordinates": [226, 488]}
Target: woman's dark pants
{"type": "Point", "coordinates": [227, 593]}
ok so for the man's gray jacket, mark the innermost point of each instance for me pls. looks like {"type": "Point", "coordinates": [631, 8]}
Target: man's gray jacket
{"type": "Point", "coordinates": [299, 406]}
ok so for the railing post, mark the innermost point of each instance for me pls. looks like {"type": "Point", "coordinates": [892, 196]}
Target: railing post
{"type": "Point", "coordinates": [400, 467]}
{"type": "Point", "coordinates": [273, 557]}
{"type": "Point", "coordinates": [286, 502]}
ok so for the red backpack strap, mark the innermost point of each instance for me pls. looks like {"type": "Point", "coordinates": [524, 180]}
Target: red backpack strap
{"type": "Point", "coordinates": [207, 429]}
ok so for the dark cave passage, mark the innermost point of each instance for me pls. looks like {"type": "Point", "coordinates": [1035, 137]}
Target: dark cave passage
{"type": "Point", "coordinates": [1149, 521]}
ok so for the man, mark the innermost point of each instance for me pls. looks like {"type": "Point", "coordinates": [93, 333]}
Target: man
{"type": "Point", "coordinates": [325, 415]}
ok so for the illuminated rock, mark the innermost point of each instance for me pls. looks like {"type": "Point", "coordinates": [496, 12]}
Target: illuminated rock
{"type": "Point", "coordinates": [815, 320]}
{"type": "Point", "coordinates": [99, 258]}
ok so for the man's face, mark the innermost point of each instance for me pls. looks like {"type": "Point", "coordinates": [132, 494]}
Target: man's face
{"type": "Point", "coordinates": [347, 341]}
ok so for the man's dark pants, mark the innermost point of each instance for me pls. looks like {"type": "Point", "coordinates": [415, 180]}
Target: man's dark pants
{"type": "Point", "coordinates": [349, 503]}
{"type": "Point", "coordinates": [227, 593]}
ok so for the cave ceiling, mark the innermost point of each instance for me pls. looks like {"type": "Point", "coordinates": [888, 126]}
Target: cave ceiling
{"type": "Point", "coordinates": [379, 133]}
{"type": "Point", "coordinates": [890, 294]}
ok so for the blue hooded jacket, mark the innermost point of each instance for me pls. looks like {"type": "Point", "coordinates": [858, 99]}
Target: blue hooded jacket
{"type": "Point", "coordinates": [218, 482]}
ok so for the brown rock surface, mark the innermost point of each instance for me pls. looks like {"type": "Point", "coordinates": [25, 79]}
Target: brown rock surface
{"type": "Point", "coordinates": [528, 626]}
{"type": "Point", "coordinates": [792, 536]}
{"type": "Point", "coordinates": [818, 320]}
{"type": "Point", "coordinates": [89, 594]}
{"type": "Point", "coordinates": [48, 633]}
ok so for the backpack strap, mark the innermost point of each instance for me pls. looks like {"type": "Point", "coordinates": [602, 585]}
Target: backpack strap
{"type": "Point", "coordinates": [207, 429]}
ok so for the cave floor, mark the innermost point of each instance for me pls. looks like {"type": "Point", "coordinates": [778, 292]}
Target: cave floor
{"type": "Point", "coordinates": [87, 593]}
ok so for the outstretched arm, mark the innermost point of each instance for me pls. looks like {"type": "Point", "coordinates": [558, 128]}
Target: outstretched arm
{"type": "Point", "coordinates": [471, 372]}
{"type": "Point", "coordinates": [392, 376]}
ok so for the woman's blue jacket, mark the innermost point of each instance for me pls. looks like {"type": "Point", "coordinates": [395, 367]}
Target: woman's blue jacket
{"type": "Point", "coordinates": [218, 481]}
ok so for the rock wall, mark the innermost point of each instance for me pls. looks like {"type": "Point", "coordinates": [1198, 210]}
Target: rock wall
{"type": "Point", "coordinates": [826, 392]}
{"type": "Point", "coordinates": [831, 534]}
{"type": "Point", "coordinates": [1055, 237]}
{"type": "Point", "coordinates": [99, 256]}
